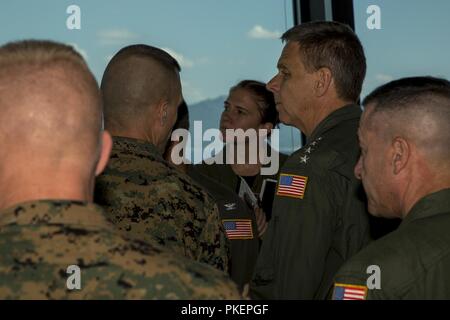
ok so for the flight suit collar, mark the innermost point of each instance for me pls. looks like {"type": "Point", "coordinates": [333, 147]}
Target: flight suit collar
{"type": "Point", "coordinates": [430, 205]}
{"type": "Point", "coordinates": [67, 212]}
{"type": "Point", "coordinates": [135, 146]}
{"type": "Point", "coordinates": [347, 112]}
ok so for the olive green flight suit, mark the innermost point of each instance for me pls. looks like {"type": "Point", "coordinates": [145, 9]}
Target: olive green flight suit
{"type": "Point", "coordinates": [240, 227]}
{"type": "Point", "coordinates": [318, 218]}
{"type": "Point", "coordinates": [412, 262]}
{"type": "Point", "coordinates": [224, 174]}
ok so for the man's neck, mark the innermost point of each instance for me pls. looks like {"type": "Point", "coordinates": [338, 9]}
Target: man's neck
{"type": "Point", "coordinates": [321, 111]}
{"type": "Point", "coordinates": [53, 186]}
{"type": "Point", "coordinates": [138, 135]}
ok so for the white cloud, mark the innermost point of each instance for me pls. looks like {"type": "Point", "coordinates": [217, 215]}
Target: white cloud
{"type": "Point", "coordinates": [80, 51]}
{"type": "Point", "coordinates": [381, 77]}
{"type": "Point", "coordinates": [190, 93]}
{"type": "Point", "coordinates": [203, 61]}
{"type": "Point", "coordinates": [258, 32]}
{"type": "Point", "coordinates": [116, 37]}
{"type": "Point", "coordinates": [182, 60]}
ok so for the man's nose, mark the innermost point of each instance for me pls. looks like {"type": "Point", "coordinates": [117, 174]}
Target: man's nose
{"type": "Point", "coordinates": [273, 85]}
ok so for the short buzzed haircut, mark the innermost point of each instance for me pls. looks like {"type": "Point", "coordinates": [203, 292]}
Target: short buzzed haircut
{"type": "Point", "coordinates": [136, 77]}
{"type": "Point", "coordinates": [48, 97]}
{"type": "Point", "coordinates": [31, 55]}
{"type": "Point", "coordinates": [408, 101]}
{"type": "Point", "coordinates": [335, 46]}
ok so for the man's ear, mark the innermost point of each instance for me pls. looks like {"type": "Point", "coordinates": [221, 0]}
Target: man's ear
{"type": "Point", "coordinates": [104, 153]}
{"type": "Point", "coordinates": [162, 112]}
{"type": "Point", "coordinates": [323, 81]}
{"type": "Point", "coordinates": [401, 154]}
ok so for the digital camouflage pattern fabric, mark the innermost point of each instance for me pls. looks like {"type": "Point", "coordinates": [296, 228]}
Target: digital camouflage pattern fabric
{"type": "Point", "coordinates": [150, 200]}
{"type": "Point", "coordinates": [40, 239]}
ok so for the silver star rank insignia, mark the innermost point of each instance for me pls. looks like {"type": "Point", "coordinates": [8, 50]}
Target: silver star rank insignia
{"type": "Point", "coordinates": [304, 159]}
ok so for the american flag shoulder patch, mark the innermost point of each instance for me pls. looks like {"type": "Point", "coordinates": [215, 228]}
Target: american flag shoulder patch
{"type": "Point", "coordinates": [291, 185]}
{"type": "Point", "coordinates": [238, 229]}
{"type": "Point", "coordinates": [349, 292]}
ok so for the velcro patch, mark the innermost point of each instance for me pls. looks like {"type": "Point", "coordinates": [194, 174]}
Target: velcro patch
{"type": "Point", "coordinates": [238, 229]}
{"type": "Point", "coordinates": [349, 292]}
{"type": "Point", "coordinates": [290, 185]}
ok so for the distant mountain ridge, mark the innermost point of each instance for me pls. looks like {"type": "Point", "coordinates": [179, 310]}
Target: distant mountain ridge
{"type": "Point", "coordinates": [208, 111]}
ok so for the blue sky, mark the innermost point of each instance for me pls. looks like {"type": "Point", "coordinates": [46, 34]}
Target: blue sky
{"type": "Point", "coordinates": [209, 37]}
{"type": "Point", "coordinates": [414, 39]}
{"type": "Point", "coordinates": [221, 42]}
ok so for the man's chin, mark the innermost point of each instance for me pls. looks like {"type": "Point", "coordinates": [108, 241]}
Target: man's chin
{"type": "Point", "coordinates": [378, 212]}
{"type": "Point", "coordinates": [374, 213]}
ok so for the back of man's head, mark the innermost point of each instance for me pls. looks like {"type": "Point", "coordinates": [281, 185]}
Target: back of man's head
{"type": "Point", "coordinates": [49, 101]}
{"type": "Point", "coordinates": [137, 78]}
{"type": "Point", "coordinates": [335, 46]}
{"type": "Point", "coordinates": [51, 112]}
{"type": "Point", "coordinates": [417, 108]}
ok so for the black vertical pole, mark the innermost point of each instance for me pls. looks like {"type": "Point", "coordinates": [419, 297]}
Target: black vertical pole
{"type": "Point", "coordinates": [311, 10]}
{"type": "Point", "coordinates": [343, 12]}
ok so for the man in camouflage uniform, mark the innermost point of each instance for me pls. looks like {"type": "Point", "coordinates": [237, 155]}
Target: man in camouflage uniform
{"type": "Point", "coordinates": [238, 219]}
{"type": "Point", "coordinates": [318, 219]}
{"type": "Point", "coordinates": [143, 195]}
{"type": "Point", "coordinates": [54, 242]}
{"type": "Point", "coordinates": [405, 170]}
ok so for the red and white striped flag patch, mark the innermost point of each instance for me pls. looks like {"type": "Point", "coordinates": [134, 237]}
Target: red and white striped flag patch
{"type": "Point", "coordinates": [290, 185]}
{"type": "Point", "coordinates": [236, 229]}
{"type": "Point", "coordinates": [349, 292]}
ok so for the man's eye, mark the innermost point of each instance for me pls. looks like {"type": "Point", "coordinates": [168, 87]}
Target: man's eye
{"type": "Point", "coordinates": [285, 74]}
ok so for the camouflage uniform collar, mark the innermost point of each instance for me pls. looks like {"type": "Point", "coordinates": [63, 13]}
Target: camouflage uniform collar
{"type": "Point", "coordinates": [67, 212]}
{"type": "Point", "coordinates": [347, 112]}
{"type": "Point", "coordinates": [430, 205]}
{"type": "Point", "coordinates": [136, 146]}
